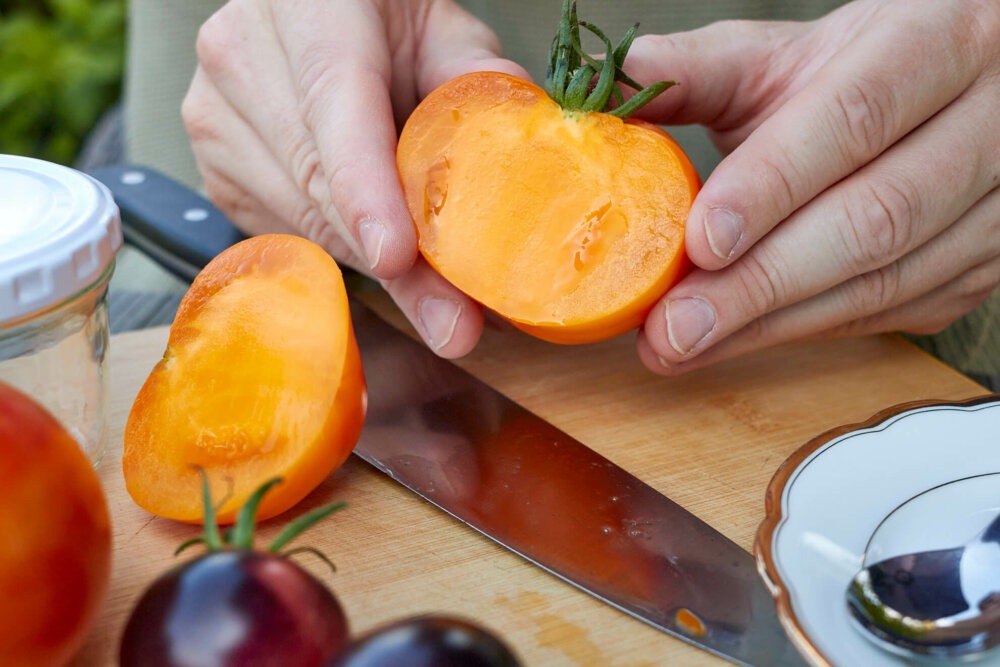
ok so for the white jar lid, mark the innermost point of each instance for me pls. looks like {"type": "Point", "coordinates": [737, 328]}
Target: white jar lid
{"type": "Point", "coordinates": [59, 231]}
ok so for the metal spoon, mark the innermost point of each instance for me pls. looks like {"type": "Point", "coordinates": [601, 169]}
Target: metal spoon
{"type": "Point", "coordinates": [941, 603]}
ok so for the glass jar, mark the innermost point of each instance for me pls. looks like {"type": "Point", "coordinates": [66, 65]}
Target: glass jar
{"type": "Point", "coordinates": [59, 233]}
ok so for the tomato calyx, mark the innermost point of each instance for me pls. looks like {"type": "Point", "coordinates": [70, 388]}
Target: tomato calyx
{"type": "Point", "coordinates": [570, 78]}
{"type": "Point", "coordinates": [241, 535]}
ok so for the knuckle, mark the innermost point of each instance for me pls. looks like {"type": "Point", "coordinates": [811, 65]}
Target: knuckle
{"type": "Point", "coordinates": [762, 330]}
{"type": "Point", "coordinates": [958, 298]}
{"type": "Point", "coordinates": [761, 282]}
{"type": "Point", "coordinates": [304, 163]}
{"type": "Point", "coordinates": [977, 285]}
{"type": "Point", "coordinates": [213, 43]}
{"type": "Point", "coordinates": [198, 120]}
{"type": "Point", "coordinates": [864, 117]}
{"type": "Point", "coordinates": [880, 223]}
{"type": "Point", "coordinates": [931, 324]}
{"type": "Point", "coordinates": [874, 291]}
{"type": "Point", "coordinates": [313, 226]}
{"type": "Point", "coordinates": [228, 197]}
{"type": "Point", "coordinates": [980, 29]}
{"type": "Point", "coordinates": [319, 84]}
{"type": "Point", "coordinates": [780, 179]}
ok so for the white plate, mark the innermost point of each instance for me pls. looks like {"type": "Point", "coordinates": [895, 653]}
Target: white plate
{"type": "Point", "coordinates": [865, 485]}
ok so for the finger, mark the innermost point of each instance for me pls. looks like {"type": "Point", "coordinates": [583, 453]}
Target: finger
{"type": "Point", "coordinates": [448, 320]}
{"type": "Point", "coordinates": [921, 293]}
{"type": "Point", "coordinates": [932, 312]}
{"type": "Point", "coordinates": [235, 162]}
{"type": "Point", "coordinates": [872, 218]}
{"type": "Point", "coordinates": [958, 257]}
{"type": "Point", "coordinates": [923, 315]}
{"type": "Point", "coordinates": [317, 77]}
{"type": "Point", "coordinates": [901, 318]}
{"type": "Point", "coordinates": [343, 81]}
{"type": "Point", "coordinates": [860, 97]}
{"type": "Point", "coordinates": [457, 43]}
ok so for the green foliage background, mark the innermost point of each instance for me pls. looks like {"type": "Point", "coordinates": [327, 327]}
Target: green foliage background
{"type": "Point", "coordinates": [61, 67]}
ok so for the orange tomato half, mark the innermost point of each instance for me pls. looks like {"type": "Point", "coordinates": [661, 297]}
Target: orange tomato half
{"type": "Point", "coordinates": [570, 224]}
{"type": "Point", "coordinates": [55, 537]}
{"type": "Point", "coordinates": [261, 378]}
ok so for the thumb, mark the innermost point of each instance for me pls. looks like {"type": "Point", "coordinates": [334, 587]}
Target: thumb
{"type": "Point", "coordinates": [454, 43]}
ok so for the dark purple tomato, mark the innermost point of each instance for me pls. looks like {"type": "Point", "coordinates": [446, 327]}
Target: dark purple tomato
{"type": "Point", "coordinates": [235, 607]}
{"type": "Point", "coordinates": [427, 641]}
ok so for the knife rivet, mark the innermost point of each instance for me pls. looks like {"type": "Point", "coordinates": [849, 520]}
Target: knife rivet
{"type": "Point", "coordinates": [195, 215]}
{"type": "Point", "coordinates": [133, 177]}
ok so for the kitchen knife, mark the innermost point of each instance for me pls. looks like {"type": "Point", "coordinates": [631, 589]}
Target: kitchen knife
{"type": "Point", "coordinates": [504, 471]}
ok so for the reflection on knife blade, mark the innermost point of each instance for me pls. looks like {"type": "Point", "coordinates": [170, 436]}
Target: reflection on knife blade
{"type": "Point", "coordinates": [507, 473]}
{"type": "Point", "coordinates": [519, 480]}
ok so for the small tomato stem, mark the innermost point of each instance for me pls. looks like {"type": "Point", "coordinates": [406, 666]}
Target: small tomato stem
{"type": "Point", "coordinates": [242, 534]}
{"type": "Point", "coordinates": [570, 78]}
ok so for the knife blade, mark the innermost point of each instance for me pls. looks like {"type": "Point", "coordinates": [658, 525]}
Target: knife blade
{"type": "Point", "coordinates": [497, 467]}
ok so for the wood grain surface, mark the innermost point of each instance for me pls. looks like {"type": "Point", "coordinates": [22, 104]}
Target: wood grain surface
{"type": "Point", "coordinates": [710, 440]}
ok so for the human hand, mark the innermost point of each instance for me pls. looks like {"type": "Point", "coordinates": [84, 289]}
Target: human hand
{"type": "Point", "coordinates": [861, 190]}
{"type": "Point", "coordinates": [292, 115]}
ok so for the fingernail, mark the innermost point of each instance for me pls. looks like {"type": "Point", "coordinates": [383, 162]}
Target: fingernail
{"type": "Point", "coordinates": [689, 321]}
{"type": "Point", "coordinates": [438, 318]}
{"type": "Point", "coordinates": [372, 233]}
{"type": "Point", "coordinates": [724, 230]}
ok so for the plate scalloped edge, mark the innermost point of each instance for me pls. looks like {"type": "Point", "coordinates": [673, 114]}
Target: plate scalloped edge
{"type": "Point", "coordinates": [773, 517]}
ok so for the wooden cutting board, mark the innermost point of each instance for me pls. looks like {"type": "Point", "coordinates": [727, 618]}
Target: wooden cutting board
{"type": "Point", "coordinates": [710, 440]}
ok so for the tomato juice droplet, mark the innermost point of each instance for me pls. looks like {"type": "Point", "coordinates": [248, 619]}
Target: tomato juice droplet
{"type": "Point", "coordinates": [689, 622]}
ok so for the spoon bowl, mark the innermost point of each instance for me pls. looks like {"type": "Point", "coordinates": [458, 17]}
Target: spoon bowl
{"type": "Point", "coordinates": [939, 603]}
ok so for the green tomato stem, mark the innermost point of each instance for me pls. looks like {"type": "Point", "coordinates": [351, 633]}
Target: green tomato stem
{"type": "Point", "coordinates": [211, 538]}
{"type": "Point", "coordinates": [242, 533]}
{"type": "Point", "coordinates": [570, 78]}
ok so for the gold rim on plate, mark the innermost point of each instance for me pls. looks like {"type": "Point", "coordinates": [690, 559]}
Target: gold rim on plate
{"type": "Point", "coordinates": [773, 517]}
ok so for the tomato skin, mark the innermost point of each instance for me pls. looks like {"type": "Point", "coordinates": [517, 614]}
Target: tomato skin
{"type": "Point", "coordinates": [568, 224]}
{"type": "Point", "coordinates": [55, 537]}
{"type": "Point", "coordinates": [428, 641]}
{"type": "Point", "coordinates": [234, 607]}
{"type": "Point", "coordinates": [261, 377]}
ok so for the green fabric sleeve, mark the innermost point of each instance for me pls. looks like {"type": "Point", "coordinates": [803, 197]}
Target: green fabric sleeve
{"type": "Point", "coordinates": [161, 61]}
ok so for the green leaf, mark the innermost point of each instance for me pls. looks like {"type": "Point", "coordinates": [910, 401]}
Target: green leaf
{"type": "Point", "coordinates": [62, 64]}
{"type": "Point", "coordinates": [292, 530]}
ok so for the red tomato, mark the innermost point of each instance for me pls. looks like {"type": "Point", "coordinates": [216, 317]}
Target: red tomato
{"type": "Point", "coordinates": [55, 537]}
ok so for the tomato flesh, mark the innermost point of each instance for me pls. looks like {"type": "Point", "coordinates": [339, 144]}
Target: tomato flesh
{"type": "Point", "coordinates": [569, 224]}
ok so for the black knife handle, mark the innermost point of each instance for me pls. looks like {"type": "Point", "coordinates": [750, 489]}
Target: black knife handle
{"type": "Point", "coordinates": [173, 224]}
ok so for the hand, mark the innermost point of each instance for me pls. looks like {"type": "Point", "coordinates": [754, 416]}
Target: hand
{"type": "Point", "coordinates": [292, 115]}
{"type": "Point", "coordinates": [862, 190]}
